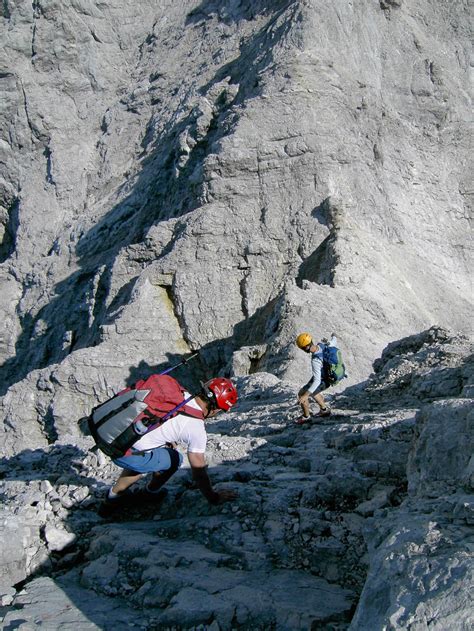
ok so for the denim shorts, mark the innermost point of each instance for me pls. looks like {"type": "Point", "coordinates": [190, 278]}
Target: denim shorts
{"type": "Point", "coordinates": [147, 461]}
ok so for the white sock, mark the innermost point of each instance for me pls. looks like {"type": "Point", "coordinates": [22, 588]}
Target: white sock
{"type": "Point", "coordinates": [112, 495]}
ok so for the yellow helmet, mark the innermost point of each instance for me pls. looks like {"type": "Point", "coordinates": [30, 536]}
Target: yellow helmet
{"type": "Point", "coordinates": [303, 340]}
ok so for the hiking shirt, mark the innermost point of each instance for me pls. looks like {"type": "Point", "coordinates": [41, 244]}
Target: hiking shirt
{"type": "Point", "coordinates": [182, 429]}
{"type": "Point", "coordinates": [317, 364]}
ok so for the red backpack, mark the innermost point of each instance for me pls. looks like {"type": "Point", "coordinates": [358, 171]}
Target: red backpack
{"type": "Point", "coordinates": [119, 422]}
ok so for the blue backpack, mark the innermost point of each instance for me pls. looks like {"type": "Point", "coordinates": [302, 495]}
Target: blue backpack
{"type": "Point", "coordinates": [333, 366]}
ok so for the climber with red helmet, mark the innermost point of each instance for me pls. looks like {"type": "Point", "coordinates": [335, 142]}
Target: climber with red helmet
{"type": "Point", "coordinates": [155, 452]}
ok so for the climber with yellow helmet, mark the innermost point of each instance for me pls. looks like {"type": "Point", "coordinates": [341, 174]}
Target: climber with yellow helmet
{"type": "Point", "coordinates": [324, 374]}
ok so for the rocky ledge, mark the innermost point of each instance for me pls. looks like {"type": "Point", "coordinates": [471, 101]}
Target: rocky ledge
{"type": "Point", "coordinates": [363, 521]}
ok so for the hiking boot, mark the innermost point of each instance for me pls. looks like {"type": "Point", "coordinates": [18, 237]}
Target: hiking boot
{"type": "Point", "coordinates": [110, 505]}
{"type": "Point", "coordinates": [302, 420]}
{"type": "Point", "coordinates": [132, 497]}
{"type": "Point", "coordinates": [323, 413]}
{"type": "Point", "coordinates": [144, 495]}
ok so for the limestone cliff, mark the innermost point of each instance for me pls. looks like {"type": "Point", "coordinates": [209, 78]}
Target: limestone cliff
{"type": "Point", "coordinates": [216, 175]}
{"type": "Point", "coordinates": [194, 174]}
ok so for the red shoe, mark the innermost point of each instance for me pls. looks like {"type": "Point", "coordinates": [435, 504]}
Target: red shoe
{"type": "Point", "coordinates": [302, 420]}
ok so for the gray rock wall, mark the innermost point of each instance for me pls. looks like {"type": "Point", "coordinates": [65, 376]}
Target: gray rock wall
{"type": "Point", "coordinates": [221, 176]}
{"type": "Point", "coordinates": [230, 152]}
{"type": "Point", "coordinates": [421, 556]}
{"type": "Point", "coordinates": [421, 562]}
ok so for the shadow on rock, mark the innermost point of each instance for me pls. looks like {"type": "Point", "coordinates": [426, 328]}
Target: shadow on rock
{"type": "Point", "coordinates": [242, 563]}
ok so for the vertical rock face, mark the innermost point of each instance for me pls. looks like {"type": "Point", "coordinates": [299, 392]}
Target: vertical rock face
{"type": "Point", "coordinates": [421, 556]}
{"type": "Point", "coordinates": [273, 168]}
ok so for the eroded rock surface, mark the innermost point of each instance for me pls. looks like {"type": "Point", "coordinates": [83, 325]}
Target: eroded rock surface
{"type": "Point", "coordinates": [194, 174]}
{"type": "Point", "coordinates": [353, 514]}
{"type": "Point", "coordinates": [219, 176]}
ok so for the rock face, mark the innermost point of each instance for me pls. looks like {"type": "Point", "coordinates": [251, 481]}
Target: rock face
{"type": "Point", "coordinates": [209, 175]}
{"type": "Point", "coordinates": [422, 562]}
{"type": "Point", "coordinates": [361, 522]}
{"type": "Point", "coordinates": [421, 554]}
{"type": "Point", "coordinates": [220, 176]}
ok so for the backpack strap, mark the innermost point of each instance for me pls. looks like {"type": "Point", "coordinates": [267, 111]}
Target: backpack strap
{"type": "Point", "coordinates": [188, 410]}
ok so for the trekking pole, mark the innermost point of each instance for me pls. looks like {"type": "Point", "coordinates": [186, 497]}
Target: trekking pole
{"type": "Point", "coordinates": [184, 361]}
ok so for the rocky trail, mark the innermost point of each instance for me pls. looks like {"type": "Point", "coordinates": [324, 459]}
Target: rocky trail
{"type": "Point", "coordinates": [219, 176]}
{"type": "Point", "coordinates": [321, 508]}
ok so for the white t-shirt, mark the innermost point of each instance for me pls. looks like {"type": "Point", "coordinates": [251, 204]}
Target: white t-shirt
{"type": "Point", "coordinates": [317, 365]}
{"type": "Point", "coordinates": [182, 429]}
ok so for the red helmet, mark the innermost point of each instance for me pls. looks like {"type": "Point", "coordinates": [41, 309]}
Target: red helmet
{"type": "Point", "coordinates": [221, 393]}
